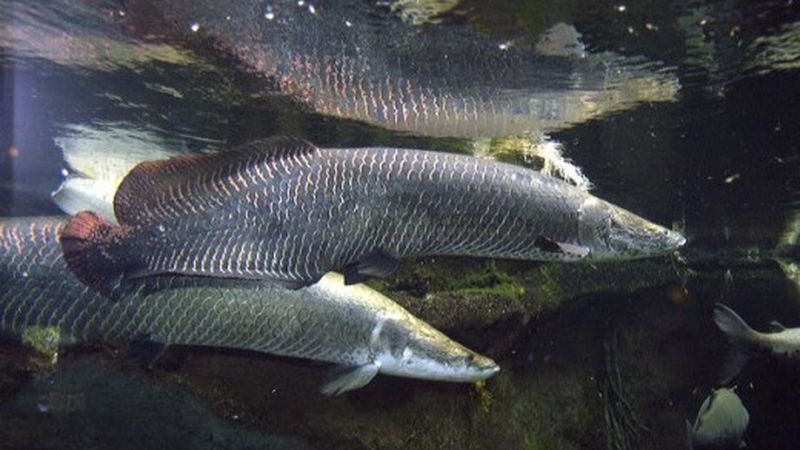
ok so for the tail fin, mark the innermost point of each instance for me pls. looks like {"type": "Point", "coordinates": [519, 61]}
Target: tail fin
{"type": "Point", "coordinates": [737, 332]}
{"type": "Point", "coordinates": [88, 243]}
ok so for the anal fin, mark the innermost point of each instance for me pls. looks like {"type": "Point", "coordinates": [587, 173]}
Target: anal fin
{"type": "Point", "coordinates": [346, 379]}
{"type": "Point", "coordinates": [376, 264]}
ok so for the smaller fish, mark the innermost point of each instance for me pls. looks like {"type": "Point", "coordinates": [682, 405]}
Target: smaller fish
{"type": "Point", "coordinates": [720, 423]}
{"type": "Point", "coordinates": [780, 342]}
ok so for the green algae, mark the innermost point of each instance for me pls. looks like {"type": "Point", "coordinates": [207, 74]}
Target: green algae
{"type": "Point", "coordinates": [484, 396]}
{"type": "Point", "coordinates": [548, 283]}
{"type": "Point", "coordinates": [44, 340]}
{"type": "Point", "coordinates": [537, 440]}
{"type": "Point", "coordinates": [432, 276]}
{"type": "Point", "coordinates": [510, 291]}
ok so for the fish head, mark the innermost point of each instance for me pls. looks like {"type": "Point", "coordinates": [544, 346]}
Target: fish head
{"type": "Point", "coordinates": [411, 348]}
{"type": "Point", "coordinates": [613, 233]}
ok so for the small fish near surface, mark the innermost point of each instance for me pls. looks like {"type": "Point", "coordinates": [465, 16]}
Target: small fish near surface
{"type": "Point", "coordinates": [285, 210]}
{"type": "Point", "coordinates": [720, 423]}
{"type": "Point", "coordinates": [355, 327]}
{"type": "Point", "coordinates": [781, 342]}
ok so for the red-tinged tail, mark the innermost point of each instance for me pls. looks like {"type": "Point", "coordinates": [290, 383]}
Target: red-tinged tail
{"type": "Point", "coordinates": [91, 249]}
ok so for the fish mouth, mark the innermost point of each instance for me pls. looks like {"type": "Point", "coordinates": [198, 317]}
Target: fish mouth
{"type": "Point", "coordinates": [486, 367]}
{"type": "Point", "coordinates": [654, 240]}
{"type": "Point", "coordinates": [675, 240]}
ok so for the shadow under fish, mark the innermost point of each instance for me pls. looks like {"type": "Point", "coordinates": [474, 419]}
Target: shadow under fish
{"type": "Point", "coordinates": [285, 210]}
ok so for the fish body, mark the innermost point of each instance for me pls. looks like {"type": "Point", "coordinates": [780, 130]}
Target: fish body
{"type": "Point", "coordinates": [720, 423]}
{"type": "Point", "coordinates": [290, 211]}
{"type": "Point", "coordinates": [781, 342]}
{"type": "Point", "coordinates": [352, 326]}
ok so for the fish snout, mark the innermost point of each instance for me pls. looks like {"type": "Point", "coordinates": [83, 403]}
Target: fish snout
{"type": "Point", "coordinates": [674, 239]}
{"type": "Point", "coordinates": [480, 367]}
{"type": "Point", "coordinates": [650, 239]}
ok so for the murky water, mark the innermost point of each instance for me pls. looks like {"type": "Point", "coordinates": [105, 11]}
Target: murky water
{"type": "Point", "coordinates": [683, 112]}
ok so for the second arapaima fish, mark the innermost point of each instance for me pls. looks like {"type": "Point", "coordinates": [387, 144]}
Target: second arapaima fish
{"type": "Point", "coordinates": [286, 210]}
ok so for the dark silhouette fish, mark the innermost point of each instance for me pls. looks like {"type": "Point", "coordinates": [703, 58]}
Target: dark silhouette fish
{"type": "Point", "coordinates": [285, 210]}
{"type": "Point", "coordinates": [354, 326]}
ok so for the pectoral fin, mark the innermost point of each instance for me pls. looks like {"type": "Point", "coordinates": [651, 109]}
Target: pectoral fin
{"type": "Point", "coordinates": [350, 378]}
{"type": "Point", "coordinates": [546, 244]}
{"type": "Point", "coordinates": [733, 365]}
{"type": "Point", "coordinates": [145, 351]}
{"type": "Point", "coordinates": [376, 264]}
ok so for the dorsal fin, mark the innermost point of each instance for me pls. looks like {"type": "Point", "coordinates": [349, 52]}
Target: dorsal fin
{"type": "Point", "coordinates": [561, 40]}
{"type": "Point", "coordinates": [159, 190]}
{"type": "Point", "coordinates": [776, 327]}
